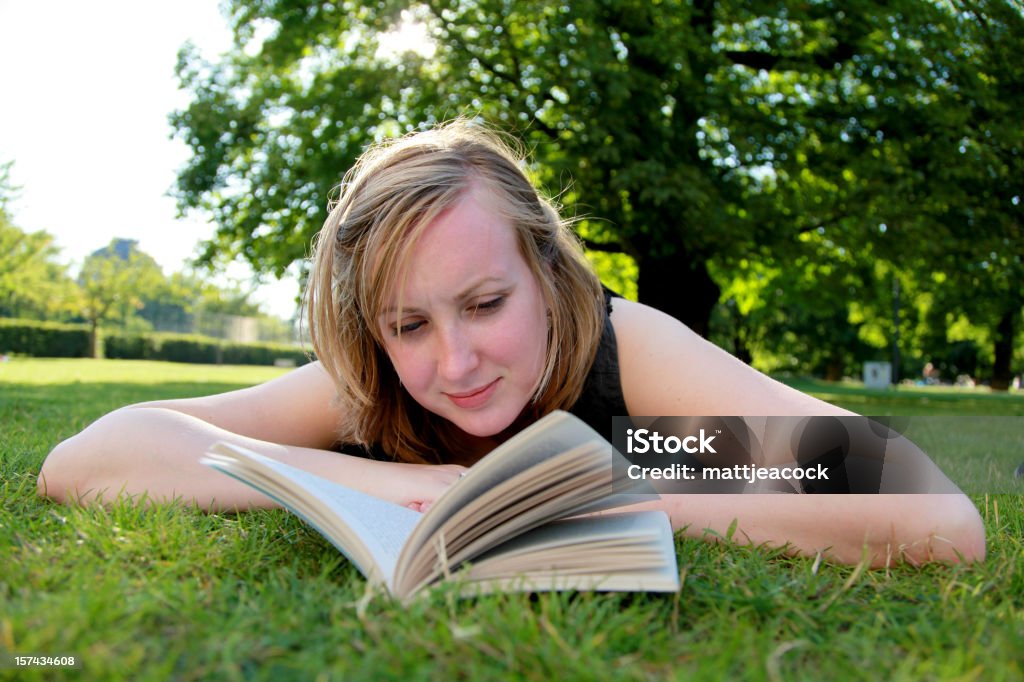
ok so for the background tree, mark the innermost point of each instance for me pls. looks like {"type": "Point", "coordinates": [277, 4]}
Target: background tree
{"type": "Point", "coordinates": [33, 283]}
{"type": "Point", "coordinates": [172, 305]}
{"type": "Point", "coordinates": [115, 281]}
{"type": "Point", "coordinates": [8, 191]}
{"type": "Point", "coordinates": [690, 135]}
{"type": "Point", "coordinates": [975, 164]}
{"type": "Point", "coordinates": [593, 88]}
{"type": "Point", "coordinates": [808, 314]}
{"type": "Point", "coordinates": [912, 154]}
{"type": "Point", "coordinates": [221, 309]}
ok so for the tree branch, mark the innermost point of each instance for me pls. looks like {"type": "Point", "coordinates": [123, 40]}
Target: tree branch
{"type": "Point", "coordinates": [603, 247]}
{"type": "Point", "coordinates": [492, 67]}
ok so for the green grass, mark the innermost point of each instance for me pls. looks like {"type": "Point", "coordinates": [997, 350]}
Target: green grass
{"type": "Point", "coordinates": [157, 593]}
{"type": "Point", "coordinates": [976, 436]}
{"type": "Point", "coordinates": [914, 400]}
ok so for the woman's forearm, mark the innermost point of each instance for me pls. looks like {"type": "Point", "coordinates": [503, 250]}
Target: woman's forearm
{"type": "Point", "coordinates": [886, 529]}
{"type": "Point", "coordinates": [157, 451]}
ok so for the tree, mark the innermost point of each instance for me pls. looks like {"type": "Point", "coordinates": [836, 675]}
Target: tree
{"type": "Point", "coordinates": [33, 283]}
{"type": "Point", "coordinates": [115, 280]}
{"type": "Point", "coordinates": [188, 302]}
{"type": "Point", "coordinates": [914, 154]}
{"type": "Point", "coordinates": [979, 175]}
{"type": "Point", "coordinates": [272, 133]}
{"type": "Point", "coordinates": [171, 306]}
{"type": "Point", "coordinates": [688, 133]}
{"type": "Point", "coordinates": [8, 191]}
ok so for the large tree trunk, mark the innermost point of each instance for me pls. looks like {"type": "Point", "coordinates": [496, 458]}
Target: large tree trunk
{"type": "Point", "coordinates": [834, 368]}
{"type": "Point", "coordinates": [679, 287]}
{"type": "Point", "coordinates": [1001, 374]}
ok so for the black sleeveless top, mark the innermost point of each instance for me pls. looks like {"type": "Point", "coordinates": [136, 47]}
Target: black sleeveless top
{"type": "Point", "coordinates": [602, 391]}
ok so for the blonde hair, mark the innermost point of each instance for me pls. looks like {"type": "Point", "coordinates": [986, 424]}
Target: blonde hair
{"type": "Point", "coordinates": [386, 200]}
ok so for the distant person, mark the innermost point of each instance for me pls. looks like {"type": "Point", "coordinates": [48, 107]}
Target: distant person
{"type": "Point", "coordinates": [449, 306]}
{"type": "Point", "coordinates": [930, 374]}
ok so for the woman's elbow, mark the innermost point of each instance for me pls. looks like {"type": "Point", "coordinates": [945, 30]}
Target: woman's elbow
{"type": "Point", "coordinates": [956, 533]}
{"type": "Point", "coordinates": [968, 531]}
{"type": "Point", "coordinates": [67, 472]}
{"type": "Point", "coordinates": [54, 481]}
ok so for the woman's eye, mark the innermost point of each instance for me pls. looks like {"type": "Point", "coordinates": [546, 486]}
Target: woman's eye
{"type": "Point", "coordinates": [407, 328]}
{"type": "Point", "coordinates": [489, 305]}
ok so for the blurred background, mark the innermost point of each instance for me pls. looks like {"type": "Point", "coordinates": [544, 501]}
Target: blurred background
{"type": "Point", "coordinates": [823, 189]}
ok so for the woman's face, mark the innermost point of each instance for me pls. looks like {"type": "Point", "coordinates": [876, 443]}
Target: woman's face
{"type": "Point", "coordinates": [470, 341]}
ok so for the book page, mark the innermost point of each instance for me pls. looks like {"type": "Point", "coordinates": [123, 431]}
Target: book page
{"type": "Point", "coordinates": [369, 531]}
{"type": "Point", "coordinates": [554, 433]}
{"type": "Point", "coordinates": [553, 489]}
{"type": "Point", "coordinates": [480, 491]}
{"type": "Point", "coordinates": [626, 551]}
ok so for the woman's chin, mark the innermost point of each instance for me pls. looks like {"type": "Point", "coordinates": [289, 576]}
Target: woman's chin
{"type": "Point", "coordinates": [482, 428]}
{"type": "Point", "coordinates": [498, 428]}
{"type": "Point", "coordinates": [484, 423]}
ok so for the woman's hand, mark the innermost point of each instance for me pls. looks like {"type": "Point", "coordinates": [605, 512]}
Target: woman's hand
{"type": "Point", "coordinates": [420, 485]}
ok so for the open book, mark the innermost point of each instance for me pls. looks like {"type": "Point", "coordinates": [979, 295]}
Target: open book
{"type": "Point", "coordinates": [503, 526]}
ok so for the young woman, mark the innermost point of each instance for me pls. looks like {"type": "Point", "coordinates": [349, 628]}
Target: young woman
{"type": "Point", "coordinates": [449, 305]}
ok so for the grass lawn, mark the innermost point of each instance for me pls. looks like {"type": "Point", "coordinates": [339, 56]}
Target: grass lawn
{"type": "Point", "coordinates": [156, 593]}
{"type": "Point", "coordinates": [976, 436]}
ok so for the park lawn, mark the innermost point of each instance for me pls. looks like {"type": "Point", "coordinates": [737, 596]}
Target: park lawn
{"type": "Point", "coordinates": [913, 400]}
{"type": "Point", "coordinates": [160, 592]}
{"type": "Point", "coordinates": [976, 436]}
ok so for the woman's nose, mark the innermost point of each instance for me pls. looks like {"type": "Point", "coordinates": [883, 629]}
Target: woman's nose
{"type": "Point", "coordinates": [457, 355]}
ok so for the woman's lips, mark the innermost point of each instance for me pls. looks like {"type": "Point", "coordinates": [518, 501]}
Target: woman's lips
{"type": "Point", "coordinates": [473, 399]}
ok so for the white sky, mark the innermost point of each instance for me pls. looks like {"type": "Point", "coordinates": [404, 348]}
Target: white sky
{"type": "Point", "coordinates": [85, 90]}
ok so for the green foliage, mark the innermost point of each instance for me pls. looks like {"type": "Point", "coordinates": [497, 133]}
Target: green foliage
{"type": "Point", "coordinates": [119, 287]}
{"type": "Point", "coordinates": [607, 95]}
{"type": "Point", "coordinates": [262, 354]}
{"type": "Point", "coordinates": [199, 349]}
{"type": "Point", "coordinates": [910, 151]}
{"type": "Point", "coordinates": [171, 305]}
{"type": "Point", "coordinates": [196, 349]}
{"type": "Point", "coordinates": [8, 191]}
{"type": "Point", "coordinates": [33, 283]}
{"type": "Point", "coordinates": [44, 339]}
{"type": "Point", "coordinates": [688, 135]}
{"type": "Point", "coordinates": [115, 281]}
{"type": "Point", "coordinates": [617, 271]}
{"type": "Point", "coordinates": [159, 592]}
{"type": "Point", "coordinates": [125, 290]}
{"type": "Point", "coordinates": [915, 400]}
{"type": "Point", "coordinates": [130, 346]}
{"type": "Point", "coordinates": [49, 339]}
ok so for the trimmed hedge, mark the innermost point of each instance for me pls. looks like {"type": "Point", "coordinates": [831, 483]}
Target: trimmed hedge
{"type": "Point", "coordinates": [44, 339]}
{"type": "Point", "coordinates": [262, 354]}
{"type": "Point", "coordinates": [198, 349]}
{"type": "Point", "coordinates": [129, 346]}
{"type": "Point", "coordinates": [48, 339]}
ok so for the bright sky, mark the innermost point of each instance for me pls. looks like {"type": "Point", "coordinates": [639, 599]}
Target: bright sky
{"type": "Point", "coordinates": [86, 89]}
